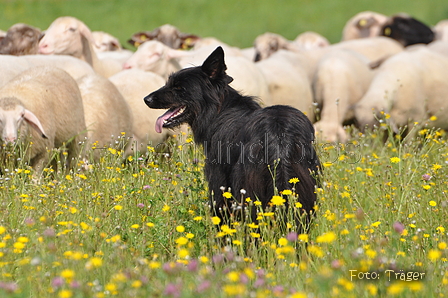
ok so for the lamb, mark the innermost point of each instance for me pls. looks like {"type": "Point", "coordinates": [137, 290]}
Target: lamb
{"type": "Point", "coordinates": [107, 115]}
{"type": "Point", "coordinates": [134, 84]}
{"type": "Point", "coordinates": [70, 36]}
{"type": "Point", "coordinates": [410, 86]}
{"type": "Point", "coordinates": [167, 34]}
{"type": "Point", "coordinates": [363, 24]}
{"type": "Point", "coordinates": [159, 58]}
{"type": "Point", "coordinates": [43, 104]}
{"type": "Point", "coordinates": [20, 39]}
{"type": "Point", "coordinates": [288, 85]}
{"type": "Point", "coordinates": [342, 78]}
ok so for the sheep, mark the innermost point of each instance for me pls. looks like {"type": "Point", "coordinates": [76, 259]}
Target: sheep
{"type": "Point", "coordinates": [268, 43]}
{"type": "Point", "coordinates": [70, 36]}
{"type": "Point", "coordinates": [134, 84]}
{"type": "Point", "coordinates": [11, 66]}
{"type": "Point", "coordinates": [288, 85]}
{"type": "Point", "coordinates": [342, 77]}
{"type": "Point", "coordinates": [167, 34]}
{"type": "Point", "coordinates": [20, 39]}
{"type": "Point", "coordinates": [74, 66]}
{"type": "Point", "coordinates": [107, 115]}
{"type": "Point", "coordinates": [310, 40]}
{"type": "Point", "coordinates": [105, 42]}
{"type": "Point", "coordinates": [363, 24]}
{"type": "Point", "coordinates": [410, 87]}
{"type": "Point", "coordinates": [441, 30]}
{"type": "Point", "coordinates": [44, 104]}
{"type": "Point", "coordinates": [407, 30]}
{"type": "Point", "coordinates": [159, 58]}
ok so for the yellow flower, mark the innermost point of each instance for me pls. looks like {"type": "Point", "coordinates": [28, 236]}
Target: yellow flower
{"type": "Point", "coordinates": [197, 218]}
{"type": "Point", "coordinates": [135, 226]}
{"type": "Point", "coordinates": [426, 187]}
{"type": "Point", "coordinates": [282, 241]}
{"type": "Point", "coordinates": [216, 220]}
{"type": "Point", "coordinates": [166, 208]}
{"type": "Point", "coordinates": [287, 192]}
{"type": "Point", "coordinates": [293, 180]}
{"type": "Point", "coordinates": [180, 229]}
{"type": "Point", "coordinates": [68, 274]}
{"type": "Point", "coordinates": [183, 253]}
{"type": "Point", "coordinates": [433, 118]}
{"type": "Point", "coordinates": [434, 254]}
{"type": "Point", "coordinates": [432, 203]}
{"type": "Point", "coordinates": [136, 284]}
{"type": "Point", "coordinates": [227, 195]}
{"type": "Point", "coordinates": [65, 294]}
{"type": "Point", "coordinates": [277, 200]}
{"type": "Point", "coordinates": [118, 207]}
{"type": "Point", "coordinates": [326, 237]}
{"type": "Point", "coordinates": [181, 240]}
{"type": "Point", "coordinates": [2, 230]}
{"type": "Point", "coordinates": [394, 159]}
{"type": "Point", "coordinates": [94, 262]}
{"type": "Point", "coordinates": [303, 237]}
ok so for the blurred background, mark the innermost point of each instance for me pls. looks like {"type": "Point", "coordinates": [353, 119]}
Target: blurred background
{"type": "Point", "coordinates": [235, 22]}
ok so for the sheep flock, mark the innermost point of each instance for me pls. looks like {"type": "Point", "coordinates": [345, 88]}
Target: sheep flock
{"type": "Point", "coordinates": [66, 85]}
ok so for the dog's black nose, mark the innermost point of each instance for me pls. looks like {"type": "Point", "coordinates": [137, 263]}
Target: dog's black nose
{"type": "Point", "coordinates": [148, 99]}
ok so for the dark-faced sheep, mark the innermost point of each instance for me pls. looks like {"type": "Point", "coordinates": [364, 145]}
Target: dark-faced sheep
{"type": "Point", "coordinates": [20, 39]}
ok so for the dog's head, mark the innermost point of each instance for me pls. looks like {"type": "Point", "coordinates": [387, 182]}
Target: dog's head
{"type": "Point", "coordinates": [190, 92]}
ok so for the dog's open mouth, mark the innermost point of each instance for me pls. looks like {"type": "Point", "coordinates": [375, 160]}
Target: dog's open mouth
{"type": "Point", "coordinates": [170, 118]}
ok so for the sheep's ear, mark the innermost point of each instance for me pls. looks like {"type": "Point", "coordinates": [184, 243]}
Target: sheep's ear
{"type": "Point", "coordinates": [188, 41]}
{"type": "Point", "coordinates": [85, 31]}
{"type": "Point", "coordinates": [34, 122]}
{"type": "Point", "coordinates": [215, 67]}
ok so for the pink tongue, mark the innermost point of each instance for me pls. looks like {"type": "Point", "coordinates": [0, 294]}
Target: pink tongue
{"type": "Point", "coordinates": [161, 119]}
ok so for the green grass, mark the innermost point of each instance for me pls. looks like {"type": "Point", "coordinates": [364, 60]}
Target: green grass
{"type": "Point", "coordinates": [235, 22]}
{"type": "Point", "coordinates": [143, 229]}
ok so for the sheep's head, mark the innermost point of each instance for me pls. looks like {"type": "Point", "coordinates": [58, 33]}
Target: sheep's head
{"type": "Point", "coordinates": [65, 36]}
{"type": "Point", "coordinates": [12, 117]}
{"type": "Point", "coordinates": [154, 56]}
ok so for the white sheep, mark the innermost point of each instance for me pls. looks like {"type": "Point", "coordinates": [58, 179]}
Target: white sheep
{"type": "Point", "coordinates": [342, 77]}
{"type": "Point", "coordinates": [441, 30]}
{"type": "Point", "coordinates": [107, 115]}
{"type": "Point", "coordinates": [134, 85]}
{"type": "Point", "coordinates": [268, 43]}
{"type": "Point", "coordinates": [70, 36]}
{"type": "Point", "coordinates": [410, 86]}
{"type": "Point", "coordinates": [105, 42]}
{"type": "Point", "coordinates": [73, 66]}
{"type": "Point", "coordinates": [159, 58]}
{"type": "Point", "coordinates": [10, 67]}
{"type": "Point", "coordinates": [310, 40]}
{"type": "Point", "coordinates": [363, 24]}
{"type": "Point", "coordinates": [288, 85]}
{"type": "Point", "coordinates": [45, 104]}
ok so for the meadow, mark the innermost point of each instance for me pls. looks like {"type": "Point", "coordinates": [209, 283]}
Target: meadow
{"type": "Point", "coordinates": [140, 226]}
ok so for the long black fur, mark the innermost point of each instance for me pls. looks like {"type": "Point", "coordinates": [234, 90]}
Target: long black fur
{"type": "Point", "coordinates": [245, 145]}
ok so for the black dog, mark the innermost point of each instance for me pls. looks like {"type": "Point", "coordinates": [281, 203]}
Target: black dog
{"type": "Point", "coordinates": [246, 146]}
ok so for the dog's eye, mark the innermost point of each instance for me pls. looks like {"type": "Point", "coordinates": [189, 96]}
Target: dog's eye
{"type": "Point", "coordinates": [179, 88]}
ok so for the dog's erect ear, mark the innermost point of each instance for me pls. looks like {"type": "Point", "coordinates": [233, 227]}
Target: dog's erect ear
{"type": "Point", "coordinates": [215, 67]}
